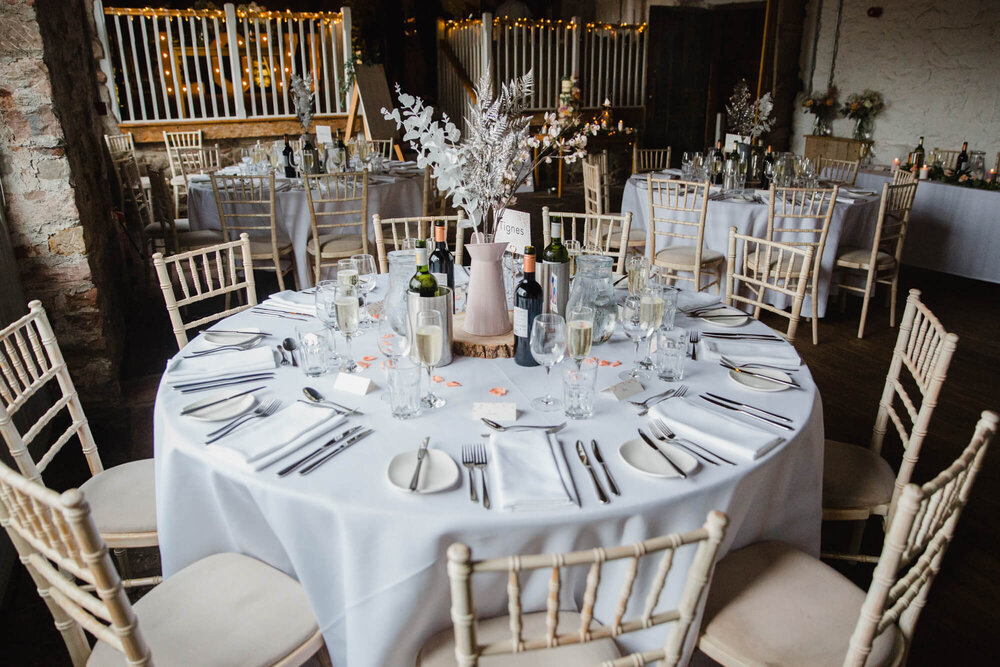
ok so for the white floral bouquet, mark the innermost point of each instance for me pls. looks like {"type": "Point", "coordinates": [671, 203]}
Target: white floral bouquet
{"type": "Point", "coordinates": [749, 119]}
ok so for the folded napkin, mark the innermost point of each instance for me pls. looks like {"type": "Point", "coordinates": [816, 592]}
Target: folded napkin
{"type": "Point", "coordinates": [717, 432]}
{"type": "Point", "coordinates": [223, 363]}
{"type": "Point", "coordinates": [293, 301]}
{"type": "Point", "coordinates": [692, 300]}
{"type": "Point", "coordinates": [270, 439]}
{"type": "Point", "coordinates": [748, 351]}
{"type": "Point", "coordinates": [531, 472]}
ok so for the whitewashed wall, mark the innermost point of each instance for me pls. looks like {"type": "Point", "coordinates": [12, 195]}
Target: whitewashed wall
{"type": "Point", "coordinates": [937, 62]}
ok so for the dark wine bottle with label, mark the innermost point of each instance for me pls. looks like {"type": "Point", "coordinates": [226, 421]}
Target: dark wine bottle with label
{"type": "Point", "coordinates": [717, 155]}
{"type": "Point", "coordinates": [441, 262]}
{"type": "Point", "coordinates": [422, 282]}
{"type": "Point", "coordinates": [527, 306]}
{"type": "Point", "coordinates": [555, 273]}
{"type": "Point", "coordinates": [289, 156]}
{"type": "Point", "coordinates": [962, 162]}
{"type": "Point", "coordinates": [918, 154]}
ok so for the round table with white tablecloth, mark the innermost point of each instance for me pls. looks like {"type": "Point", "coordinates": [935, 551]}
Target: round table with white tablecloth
{"type": "Point", "coordinates": [372, 558]}
{"type": "Point", "coordinates": [398, 193]}
{"type": "Point", "coordinates": [852, 224]}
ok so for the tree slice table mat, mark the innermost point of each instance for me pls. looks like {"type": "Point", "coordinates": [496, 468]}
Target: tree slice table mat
{"type": "Point", "coordinates": [481, 347]}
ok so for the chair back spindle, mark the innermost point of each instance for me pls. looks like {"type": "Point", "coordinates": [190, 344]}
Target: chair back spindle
{"type": "Point", "coordinates": [602, 234]}
{"type": "Point", "coordinates": [338, 205]}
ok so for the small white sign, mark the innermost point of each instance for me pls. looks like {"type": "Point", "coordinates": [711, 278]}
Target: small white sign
{"type": "Point", "coordinates": [324, 135]}
{"type": "Point", "coordinates": [515, 229]}
{"type": "Point", "coordinates": [498, 412]}
{"type": "Point", "coordinates": [353, 384]}
{"type": "Point", "coordinates": [625, 389]}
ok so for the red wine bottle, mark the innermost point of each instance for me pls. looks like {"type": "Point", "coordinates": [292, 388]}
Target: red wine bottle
{"type": "Point", "coordinates": [527, 306]}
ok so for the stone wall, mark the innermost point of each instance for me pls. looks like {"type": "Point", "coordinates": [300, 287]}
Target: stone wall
{"type": "Point", "coordinates": [55, 174]}
{"type": "Point", "coordinates": [935, 61]}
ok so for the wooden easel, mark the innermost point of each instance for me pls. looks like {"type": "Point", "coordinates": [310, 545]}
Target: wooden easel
{"type": "Point", "coordinates": [371, 93]}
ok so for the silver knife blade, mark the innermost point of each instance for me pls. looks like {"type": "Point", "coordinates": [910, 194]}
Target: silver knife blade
{"type": "Point", "coordinates": [600, 459]}
{"type": "Point", "coordinates": [187, 411]}
{"type": "Point", "coordinates": [329, 443]}
{"type": "Point", "coordinates": [225, 378]}
{"type": "Point", "coordinates": [787, 383]}
{"type": "Point", "coordinates": [747, 413]}
{"type": "Point", "coordinates": [315, 464]}
{"type": "Point", "coordinates": [601, 495]}
{"type": "Point", "coordinates": [648, 441]}
{"type": "Point", "coordinates": [750, 407]}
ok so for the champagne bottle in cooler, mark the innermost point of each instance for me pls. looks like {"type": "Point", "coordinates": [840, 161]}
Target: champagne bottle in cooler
{"type": "Point", "coordinates": [555, 273]}
{"type": "Point", "coordinates": [527, 306]}
{"type": "Point", "coordinates": [422, 282]}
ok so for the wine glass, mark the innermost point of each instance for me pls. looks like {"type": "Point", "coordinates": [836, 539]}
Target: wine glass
{"type": "Point", "coordinates": [366, 275]}
{"type": "Point", "coordinates": [652, 302]}
{"type": "Point", "coordinates": [574, 249]}
{"type": "Point", "coordinates": [272, 156]}
{"type": "Point", "coordinates": [347, 272]}
{"type": "Point", "coordinates": [321, 154]}
{"type": "Point", "coordinates": [307, 162]}
{"type": "Point", "coordinates": [326, 311]}
{"type": "Point", "coordinates": [393, 338]}
{"type": "Point", "coordinates": [346, 308]}
{"type": "Point", "coordinates": [639, 271]}
{"type": "Point", "coordinates": [637, 321]}
{"type": "Point", "coordinates": [548, 347]}
{"type": "Point", "coordinates": [579, 332]}
{"type": "Point", "coordinates": [741, 175]}
{"type": "Point", "coordinates": [427, 340]}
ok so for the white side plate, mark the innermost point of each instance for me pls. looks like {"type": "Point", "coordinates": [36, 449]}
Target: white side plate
{"type": "Point", "coordinates": [638, 454]}
{"type": "Point", "coordinates": [735, 320]}
{"type": "Point", "coordinates": [217, 339]}
{"type": "Point", "coordinates": [225, 410]}
{"type": "Point", "coordinates": [760, 384]}
{"type": "Point", "coordinates": [439, 472]}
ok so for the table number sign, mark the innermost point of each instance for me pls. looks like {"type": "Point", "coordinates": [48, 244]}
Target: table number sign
{"type": "Point", "coordinates": [323, 135]}
{"type": "Point", "coordinates": [499, 412]}
{"type": "Point", "coordinates": [515, 229]}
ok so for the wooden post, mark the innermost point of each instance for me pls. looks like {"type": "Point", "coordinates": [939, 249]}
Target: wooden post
{"type": "Point", "coordinates": [109, 78]}
{"type": "Point", "coordinates": [486, 46]}
{"type": "Point", "coordinates": [233, 38]}
{"type": "Point", "coordinates": [345, 27]}
{"type": "Point", "coordinates": [575, 58]}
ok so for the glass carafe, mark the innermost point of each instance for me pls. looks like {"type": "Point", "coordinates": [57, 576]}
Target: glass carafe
{"type": "Point", "coordinates": [593, 286]}
{"type": "Point", "coordinates": [977, 165]}
{"type": "Point", "coordinates": [402, 265]}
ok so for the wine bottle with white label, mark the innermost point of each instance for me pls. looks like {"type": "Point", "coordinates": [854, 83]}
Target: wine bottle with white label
{"type": "Point", "coordinates": [441, 262]}
{"type": "Point", "coordinates": [422, 282]}
{"type": "Point", "coordinates": [527, 306]}
{"type": "Point", "coordinates": [555, 273]}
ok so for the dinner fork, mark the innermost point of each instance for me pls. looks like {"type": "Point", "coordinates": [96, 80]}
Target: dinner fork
{"type": "Point", "coordinates": [480, 462]}
{"type": "Point", "coordinates": [265, 410]}
{"type": "Point", "coordinates": [235, 347]}
{"type": "Point", "coordinates": [469, 461]}
{"type": "Point", "coordinates": [755, 365]}
{"type": "Point", "coordinates": [663, 394]}
{"type": "Point", "coordinates": [659, 426]}
{"type": "Point", "coordinates": [679, 393]}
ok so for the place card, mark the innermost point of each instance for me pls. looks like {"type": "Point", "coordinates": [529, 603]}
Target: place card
{"type": "Point", "coordinates": [498, 412]}
{"type": "Point", "coordinates": [353, 384]}
{"type": "Point", "coordinates": [625, 389]}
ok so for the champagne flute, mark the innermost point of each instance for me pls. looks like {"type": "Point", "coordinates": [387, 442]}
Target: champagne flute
{"type": "Point", "coordinates": [651, 304]}
{"type": "Point", "coordinates": [427, 341]}
{"type": "Point", "coordinates": [347, 272]}
{"type": "Point", "coordinates": [716, 167]}
{"type": "Point", "coordinates": [638, 325]}
{"type": "Point", "coordinates": [307, 162]}
{"type": "Point", "coordinates": [548, 347]}
{"type": "Point", "coordinates": [272, 157]}
{"type": "Point", "coordinates": [366, 275]}
{"type": "Point", "coordinates": [326, 311]}
{"type": "Point", "coordinates": [393, 338]}
{"type": "Point", "coordinates": [346, 308]}
{"type": "Point", "coordinates": [638, 274]}
{"type": "Point", "coordinates": [579, 332]}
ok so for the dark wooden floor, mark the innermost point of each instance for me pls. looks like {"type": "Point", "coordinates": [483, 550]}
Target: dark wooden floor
{"type": "Point", "coordinates": [957, 625]}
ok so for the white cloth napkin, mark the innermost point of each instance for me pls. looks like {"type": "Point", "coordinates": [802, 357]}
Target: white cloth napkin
{"type": "Point", "coordinates": [219, 364]}
{"type": "Point", "coordinates": [530, 472]}
{"type": "Point", "coordinates": [691, 300]}
{"type": "Point", "coordinates": [717, 432]}
{"type": "Point", "coordinates": [293, 301]}
{"type": "Point", "coordinates": [748, 351]}
{"type": "Point", "coordinates": [273, 438]}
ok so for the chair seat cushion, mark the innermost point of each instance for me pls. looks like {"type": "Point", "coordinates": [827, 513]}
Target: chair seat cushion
{"type": "Point", "coordinates": [154, 230]}
{"type": "Point", "coordinates": [439, 650]}
{"type": "Point", "coordinates": [264, 247]}
{"type": "Point", "coordinates": [855, 477]}
{"type": "Point", "coordinates": [123, 499]}
{"type": "Point", "coordinates": [178, 180]}
{"type": "Point", "coordinates": [680, 256]}
{"type": "Point", "coordinates": [636, 237]}
{"type": "Point", "coordinates": [200, 238]}
{"type": "Point", "coordinates": [770, 604]}
{"type": "Point", "coordinates": [792, 264]}
{"type": "Point", "coordinates": [224, 610]}
{"type": "Point", "coordinates": [334, 245]}
{"type": "Point", "coordinates": [859, 258]}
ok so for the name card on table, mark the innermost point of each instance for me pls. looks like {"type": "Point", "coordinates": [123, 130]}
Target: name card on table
{"type": "Point", "coordinates": [498, 412]}
{"type": "Point", "coordinates": [514, 228]}
{"type": "Point", "coordinates": [324, 135]}
{"type": "Point", "coordinates": [625, 389]}
{"type": "Point", "coordinates": [353, 384]}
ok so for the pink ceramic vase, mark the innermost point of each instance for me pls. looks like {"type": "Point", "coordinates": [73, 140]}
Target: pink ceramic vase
{"type": "Point", "coordinates": [486, 300]}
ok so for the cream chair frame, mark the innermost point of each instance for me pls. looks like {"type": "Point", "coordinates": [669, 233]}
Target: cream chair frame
{"type": "Point", "coordinates": [996, 166]}
{"type": "Point", "coordinates": [179, 228]}
{"type": "Point", "coordinates": [785, 266]}
{"type": "Point", "coordinates": [890, 234]}
{"type": "Point", "coordinates": [324, 192]}
{"type": "Point", "coordinates": [949, 159]}
{"type": "Point", "coordinates": [134, 192]}
{"type": "Point", "coordinates": [924, 349]}
{"type": "Point", "coordinates": [594, 200]}
{"type": "Point", "coordinates": [120, 143]}
{"type": "Point", "coordinates": [842, 172]}
{"type": "Point", "coordinates": [461, 568]}
{"type": "Point", "coordinates": [174, 141]}
{"type": "Point", "coordinates": [419, 225]}
{"type": "Point", "coordinates": [650, 159]}
{"type": "Point", "coordinates": [601, 233]}
{"type": "Point", "coordinates": [383, 147]}
{"type": "Point", "coordinates": [219, 268]}
{"type": "Point", "coordinates": [435, 202]}
{"type": "Point", "coordinates": [903, 177]}
{"type": "Point", "coordinates": [681, 200]}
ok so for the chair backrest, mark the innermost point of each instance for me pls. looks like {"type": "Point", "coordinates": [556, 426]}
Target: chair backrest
{"type": "Point", "coordinates": [785, 269]}
{"type": "Point", "coordinates": [801, 217]}
{"type": "Point", "coordinates": [903, 177]}
{"type": "Point", "coordinates": [677, 210]}
{"type": "Point", "coordinates": [602, 234]}
{"type": "Point", "coordinates": [949, 159]}
{"type": "Point", "coordinates": [162, 205]}
{"type": "Point", "coordinates": [924, 351]}
{"type": "Point", "coordinates": [893, 221]}
{"type": "Point", "coordinates": [382, 147]}
{"type": "Point", "coordinates": [246, 204]}
{"type": "Point", "coordinates": [414, 228]}
{"type": "Point", "coordinates": [649, 159]}
{"type": "Point", "coordinates": [337, 202]}
{"type": "Point", "coordinates": [131, 182]}
{"type": "Point", "coordinates": [435, 202]}
{"type": "Point", "coordinates": [202, 274]}
{"type": "Point", "coordinates": [915, 544]}
{"type": "Point", "coordinates": [461, 567]}
{"type": "Point", "coordinates": [31, 364]}
{"type": "Point", "coordinates": [843, 172]}
{"type": "Point", "coordinates": [175, 140]}
{"type": "Point", "coordinates": [189, 161]}
{"type": "Point", "coordinates": [55, 536]}
{"type": "Point", "coordinates": [120, 143]}
{"type": "Point", "coordinates": [593, 185]}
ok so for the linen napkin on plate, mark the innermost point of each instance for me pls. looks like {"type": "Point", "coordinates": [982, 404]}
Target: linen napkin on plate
{"type": "Point", "coordinates": [748, 351]}
{"type": "Point", "coordinates": [293, 301]}
{"type": "Point", "coordinates": [223, 363]}
{"type": "Point", "coordinates": [718, 432]}
{"type": "Point", "coordinates": [267, 440]}
{"type": "Point", "coordinates": [531, 472]}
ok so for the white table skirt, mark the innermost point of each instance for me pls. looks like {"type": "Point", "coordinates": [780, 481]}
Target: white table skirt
{"type": "Point", "coordinates": [390, 196]}
{"type": "Point", "coordinates": [852, 224]}
{"type": "Point", "coordinates": [372, 559]}
{"type": "Point", "coordinates": [953, 229]}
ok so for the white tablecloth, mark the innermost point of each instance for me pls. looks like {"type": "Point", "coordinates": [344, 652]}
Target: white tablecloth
{"type": "Point", "coordinates": [952, 229]}
{"type": "Point", "coordinates": [853, 223]}
{"type": "Point", "coordinates": [389, 195]}
{"type": "Point", "coordinates": [372, 558]}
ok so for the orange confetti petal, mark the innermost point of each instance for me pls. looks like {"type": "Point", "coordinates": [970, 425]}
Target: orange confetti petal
{"type": "Point", "coordinates": [363, 364]}
{"type": "Point", "coordinates": [453, 384]}
{"type": "Point", "coordinates": [438, 378]}
{"type": "Point", "coordinates": [498, 391]}
{"type": "Point", "coordinates": [616, 363]}
{"type": "Point", "coordinates": [370, 358]}
{"type": "Point", "coordinates": [603, 362]}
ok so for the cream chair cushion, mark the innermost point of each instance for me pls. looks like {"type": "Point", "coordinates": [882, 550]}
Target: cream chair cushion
{"type": "Point", "coordinates": [155, 230]}
{"type": "Point", "coordinates": [795, 263]}
{"type": "Point", "coordinates": [636, 237]}
{"type": "Point", "coordinates": [770, 604]}
{"type": "Point", "coordinates": [178, 180]}
{"type": "Point", "coordinates": [858, 258]}
{"type": "Point", "coordinates": [855, 477]}
{"type": "Point", "coordinates": [679, 256]}
{"type": "Point", "coordinates": [224, 610]}
{"type": "Point", "coordinates": [199, 239]}
{"type": "Point", "coordinates": [263, 247]}
{"type": "Point", "coordinates": [123, 499]}
{"type": "Point", "coordinates": [439, 650]}
{"type": "Point", "coordinates": [336, 245]}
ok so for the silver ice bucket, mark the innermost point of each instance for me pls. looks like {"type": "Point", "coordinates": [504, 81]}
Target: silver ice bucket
{"type": "Point", "coordinates": [444, 303]}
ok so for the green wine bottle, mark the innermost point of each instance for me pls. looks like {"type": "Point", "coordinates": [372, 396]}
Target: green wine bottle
{"type": "Point", "coordinates": [422, 282]}
{"type": "Point", "coordinates": [555, 273]}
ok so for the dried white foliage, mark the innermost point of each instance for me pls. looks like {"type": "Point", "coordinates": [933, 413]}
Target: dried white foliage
{"type": "Point", "coordinates": [302, 100]}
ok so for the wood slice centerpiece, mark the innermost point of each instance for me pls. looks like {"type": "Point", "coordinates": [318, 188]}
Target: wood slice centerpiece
{"type": "Point", "coordinates": [481, 347]}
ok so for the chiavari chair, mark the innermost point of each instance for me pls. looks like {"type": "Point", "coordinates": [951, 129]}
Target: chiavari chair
{"type": "Point", "coordinates": [903, 177]}
{"type": "Point", "coordinates": [382, 147]}
{"type": "Point", "coordinates": [175, 141]}
{"type": "Point", "coordinates": [338, 212]}
{"type": "Point", "coordinates": [435, 202]}
{"type": "Point", "coordinates": [416, 228]}
{"type": "Point", "coordinates": [841, 172]}
{"type": "Point", "coordinates": [677, 211]}
{"type": "Point", "coordinates": [176, 232]}
{"type": "Point", "coordinates": [948, 159]}
{"type": "Point", "coordinates": [600, 233]}
{"type": "Point", "coordinates": [649, 159]}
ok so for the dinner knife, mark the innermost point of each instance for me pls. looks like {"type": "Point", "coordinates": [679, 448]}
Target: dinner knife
{"type": "Point", "coordinates": [646, 439]}
{"type": "Point", "coordinates": [746, 412]}
{"type": "Point", "coordinates": [189, 410]}
{"type": "Point", "coordinates": [309, 457]}
{"type": "Point", "coordinates": [603, 497]}
{"type": "Point", "coordinates": [226, 378]}
{"type": "Point", "coordinates": [317, 463]}
{"type": "Point", "coordinates": [600, 459]}
{"type": "Point", "coordinates": [750, 407]}
{"type": "Point", "coordinates": [787, 383]}
{"type": "Point", "coordinates": [227, 383]}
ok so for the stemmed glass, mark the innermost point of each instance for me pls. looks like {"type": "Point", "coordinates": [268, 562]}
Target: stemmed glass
{"type": "Point", "coordinates": [366, 275]}
{"type": "Point", "coordinates": [272, 156]}
{"type": "Point", "coordinates": [651, 300]}
{"type": "Point", "coordinates": [326, 311]}
{"type": "Point", "coordinates": [346, 308]}
{"type": "Point", "coordinates": [347, 272]}
{"type": "Point", "coordinates": [307, 162]}
{"type": "Point", "coordinates": [393, 338]}
{"type": "Point", "coordinates": [638, 323]}
{"type": "Point", "coordinates": [741, 175]}
{"type": "Point", "coordinates": [639, 273]}
{"type": "Point", "coordinates": [548, 347]}
{"type": "Point", "coordinates": [579, 332]}
{"type": "Point", "coordinates": [427, 339]}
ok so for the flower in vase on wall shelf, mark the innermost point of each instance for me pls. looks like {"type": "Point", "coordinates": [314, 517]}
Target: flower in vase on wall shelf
{"type": "Point", "coordinates": [823, 106]}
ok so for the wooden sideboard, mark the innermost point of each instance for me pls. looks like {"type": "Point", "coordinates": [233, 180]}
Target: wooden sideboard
{"type": "Point", "coordinates": [836, 148]}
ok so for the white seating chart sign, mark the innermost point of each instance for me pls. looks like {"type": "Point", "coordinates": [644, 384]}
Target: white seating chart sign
{"type": "Point", "coordinates": [514, 228]}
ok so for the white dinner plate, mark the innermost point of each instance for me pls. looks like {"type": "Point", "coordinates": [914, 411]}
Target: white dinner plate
{"type": "Point", "coordinates": [759, 384]}
{"type": "Point", "coordinates": [638, 454]}
{"type": "Point", "coordinates": [225, 410]}
{"type": "Point", "coordinates": [737, 319]}
{"type": "Point", "coordinates": [439, 472]}
{"type": "Point", "coordinates": [217, 339]}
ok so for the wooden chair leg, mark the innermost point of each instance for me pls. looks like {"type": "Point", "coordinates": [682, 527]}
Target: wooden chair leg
{"type": "Point", "coordinates": [869, 285]}
{"type": "Point", "coordinates": [843, 301]}
{"type": "Point", "coordinates": [281, 276]}
{"type": "Point", "coordinates": [892, 299]}
{"type": "Point", "coordinates": [815, 314]}
{"type": "Point", "coordinates": [124, 564]}
{"type": "Point", "coordinates": [857, 535]}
